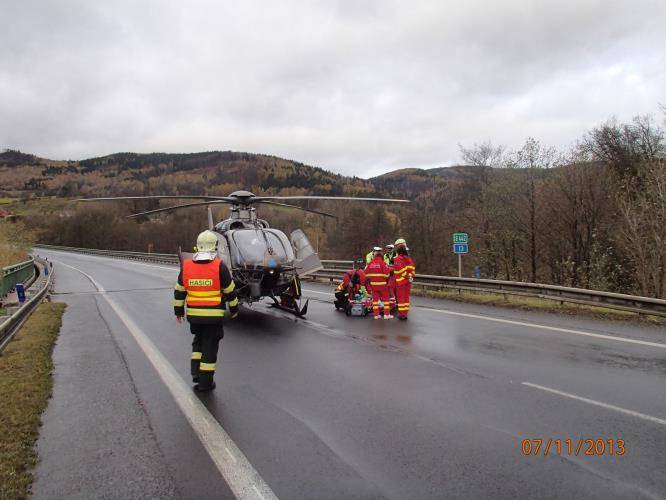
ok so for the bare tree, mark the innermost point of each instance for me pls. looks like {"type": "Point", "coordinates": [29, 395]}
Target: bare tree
{"type": "Point", "coordinates": [578, 210]}
{"type": "Point", "coordinates": [528, 163]}
{"type": "Point", "coordinates": [624, 146]}
{"type": "Point", "coordinates": [643, 228]}
{"type": "Point", "coordinates": [483, 155]}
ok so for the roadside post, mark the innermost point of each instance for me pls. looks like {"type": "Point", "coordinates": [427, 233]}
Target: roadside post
{"type": "Point", "coordinates": [20, 292]}
{"type": "Point", "coordinates": [460, 246]}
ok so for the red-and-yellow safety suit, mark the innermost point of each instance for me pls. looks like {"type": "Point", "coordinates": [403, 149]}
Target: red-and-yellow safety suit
{"type": "Point", "coordinates": [377, 274]}
{"type": "Point", "coordinates": [404, 270]}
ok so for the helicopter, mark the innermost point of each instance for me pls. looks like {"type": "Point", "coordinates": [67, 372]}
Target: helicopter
{"type": "Point", "coordinates": [263, 261]}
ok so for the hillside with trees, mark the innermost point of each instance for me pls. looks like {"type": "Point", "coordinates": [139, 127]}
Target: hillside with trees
{"type": "Point", "coordinates": [592, 217]}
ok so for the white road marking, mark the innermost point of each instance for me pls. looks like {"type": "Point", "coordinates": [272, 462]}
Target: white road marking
{"type": "Point", "coordinates": [244, 481]}
{"type": "Point", "coordinates": [546, 327]}
{"type": "Point", "coordinates": [531, 325]}
{"type": "Point", "coordinates": [330, 294]}
{"type": "Point", "coordinates": [632, 413]}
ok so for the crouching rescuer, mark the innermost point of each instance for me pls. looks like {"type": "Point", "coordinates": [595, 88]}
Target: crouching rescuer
{"type": "Point", "coordinates": [204, 285]}
{"type": "Point", "coordinates": [353, 282]}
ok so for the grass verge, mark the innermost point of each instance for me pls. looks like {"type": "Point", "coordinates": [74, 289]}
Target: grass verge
{"type": "Point", "coordinates": [25, 387]}
{"type": "Point", "coordinates": [538, 304]}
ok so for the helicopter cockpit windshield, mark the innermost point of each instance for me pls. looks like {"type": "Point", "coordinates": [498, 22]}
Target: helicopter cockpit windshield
{"type": "Point", "coordinates": [260, 248]}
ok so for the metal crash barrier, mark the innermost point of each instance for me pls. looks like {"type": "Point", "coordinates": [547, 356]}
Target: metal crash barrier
{"type": "Point", "coordinates": [18, 273]}
{"type": "Point", "coordinates": [11, 325]}
{"type": "Point", "coordinates": [333, 269]}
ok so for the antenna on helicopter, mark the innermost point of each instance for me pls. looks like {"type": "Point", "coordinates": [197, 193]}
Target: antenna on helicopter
{"type": "Point", "coordinates": [211, 223]}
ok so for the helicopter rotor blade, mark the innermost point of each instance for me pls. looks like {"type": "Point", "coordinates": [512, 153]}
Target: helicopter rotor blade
{"type": "Point", "coordinates": [177, 207]}
{"type": "Point", "coordinates": [341, 198]}
{"type": "Point", "coordinates": [268, 202]}
{"type": "Point", "coordinates": [160, 197]}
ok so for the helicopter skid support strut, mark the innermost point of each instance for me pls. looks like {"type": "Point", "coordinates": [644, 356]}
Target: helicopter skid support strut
{"type": "Point", "coordinates": [296, 311]}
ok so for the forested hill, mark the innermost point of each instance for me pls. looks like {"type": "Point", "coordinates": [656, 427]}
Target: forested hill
{"type": "Point", "coordinates": [215, 172]}
{"type": "Point", "coordinates": [415, 182]}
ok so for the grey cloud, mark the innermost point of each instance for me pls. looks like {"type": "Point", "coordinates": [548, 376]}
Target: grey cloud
{"type": "Point", "coordinates": [349, 86]}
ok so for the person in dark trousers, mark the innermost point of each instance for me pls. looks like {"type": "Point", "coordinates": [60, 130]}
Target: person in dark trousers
{"type": "Point", "coordinates": [204, 285]}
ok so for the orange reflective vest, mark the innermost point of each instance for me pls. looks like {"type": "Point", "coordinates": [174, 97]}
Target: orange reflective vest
{"type": "Point", "coordinates": [204, 290]}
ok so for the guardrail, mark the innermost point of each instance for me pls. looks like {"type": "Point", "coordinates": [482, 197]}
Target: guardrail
{"type": "Point", "coordinates": [10, 326]}
{"type": "Point", "coordinates": [333, 268]}
{"type": "Point", "coordinates": [18, 273]}
{"type": "Point", "coordinates": [163, 258]}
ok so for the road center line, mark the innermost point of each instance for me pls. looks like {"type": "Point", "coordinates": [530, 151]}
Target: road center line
{"type": "Point", "coordinates": [632, 413]}
{"type": "Point", "coordinates": [546, 327]}
{"type": "Point", "coordinates": [244, 481]}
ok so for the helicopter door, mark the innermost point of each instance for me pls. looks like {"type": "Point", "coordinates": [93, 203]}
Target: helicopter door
{"type": "Point", "coordinates": [307, 261]}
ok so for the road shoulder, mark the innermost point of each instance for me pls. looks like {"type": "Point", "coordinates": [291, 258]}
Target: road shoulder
{"type": "Point", "coordinates": [96, 440]}
{"type": "Point", "coordinates": [25, 384]}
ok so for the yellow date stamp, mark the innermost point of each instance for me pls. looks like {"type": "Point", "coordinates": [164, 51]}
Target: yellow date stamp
{"type": "Point", "coordinates": [591, 447]}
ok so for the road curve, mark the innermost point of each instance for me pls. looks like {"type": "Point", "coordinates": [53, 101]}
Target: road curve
{"type": "Point", "coordinates": [337, 407]}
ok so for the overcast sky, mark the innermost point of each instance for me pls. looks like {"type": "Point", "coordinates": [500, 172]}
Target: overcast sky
{"type": "Point", "coordinates": [357, 87]}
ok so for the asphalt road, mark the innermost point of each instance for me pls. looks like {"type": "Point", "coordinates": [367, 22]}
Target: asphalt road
{"type": "Point", "coordinates": [337, 407]}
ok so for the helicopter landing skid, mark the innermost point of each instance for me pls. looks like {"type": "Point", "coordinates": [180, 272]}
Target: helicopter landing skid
{"type": "Point", "coordinates": [294, 309]}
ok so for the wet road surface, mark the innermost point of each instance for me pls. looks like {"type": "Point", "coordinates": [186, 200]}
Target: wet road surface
{"type": "Point", "coordinates": [338, 407]}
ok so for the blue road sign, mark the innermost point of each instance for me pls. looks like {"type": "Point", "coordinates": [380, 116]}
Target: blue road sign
{"type": "Point", "coordinates": [460, 248]}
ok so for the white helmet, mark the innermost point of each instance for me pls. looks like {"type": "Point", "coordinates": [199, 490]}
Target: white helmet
{"type": "Point", "coordinates": [206, 246]}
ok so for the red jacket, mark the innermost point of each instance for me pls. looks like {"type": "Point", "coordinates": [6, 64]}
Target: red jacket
{"type": "Point", "coordinates": [377, 273]}
{"type": "Point", "coordinates": [403, 267]}
{"type": "Point", "coordinates": [347, 278]}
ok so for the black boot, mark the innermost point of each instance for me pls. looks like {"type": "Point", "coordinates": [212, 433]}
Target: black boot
{"type": "Point", "coordinates": [204, 388]}
{"type": "Point", "coordinates": [205, 381]}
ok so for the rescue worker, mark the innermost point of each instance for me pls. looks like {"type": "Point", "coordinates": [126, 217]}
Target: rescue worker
{"type": "Point", "coordinates": [377, 273]}
{"type": "Point", "coordinates": [204, 285]}
{"type": "Point", "coordinates": [404, 270]}
{"type": "Point", "coordinates": [389, 254]}
{"type": "Point", "coordinates": [369, 255]}
{"type": "Point", "coordinates": [353, 282]}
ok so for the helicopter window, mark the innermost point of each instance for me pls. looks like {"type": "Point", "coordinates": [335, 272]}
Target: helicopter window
{"type": "Point", "coordinates": [252, 247]}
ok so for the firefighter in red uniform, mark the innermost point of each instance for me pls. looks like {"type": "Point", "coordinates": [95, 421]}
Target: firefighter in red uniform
{"type": "Point", "coordinates": [353, 282]}
{"type": "Point", "coordinates": [204, 285]}
{"type": "Point", "coordinates": [377, 273]}
{"type": "Point", "coordinates": [404, 270]}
